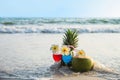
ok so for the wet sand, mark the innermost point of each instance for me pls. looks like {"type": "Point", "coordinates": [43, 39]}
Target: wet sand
{"type": "Point", "coordinates": [81, 77]}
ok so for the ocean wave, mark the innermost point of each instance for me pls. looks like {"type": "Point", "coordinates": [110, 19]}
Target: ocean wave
{"type": "Point", "coordinates": [60, 29]}
{"type": "Point", "coordinates": [7, 23]}
{"type": "Point", "coordinates": [40, 21]}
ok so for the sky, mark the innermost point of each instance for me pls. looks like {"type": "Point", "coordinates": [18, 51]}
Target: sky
{"type": "Point", "coordinates": [60, 8]}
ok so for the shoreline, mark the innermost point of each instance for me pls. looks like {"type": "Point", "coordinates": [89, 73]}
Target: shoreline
{"type": "Point", "coordinates": [24, 55]}
{"type": "Point", "coordinates": [80, 77]}
{"type": "Point", "coordinates": [64, 73]}
{"type": "Point", "coordinates": [14, 79]}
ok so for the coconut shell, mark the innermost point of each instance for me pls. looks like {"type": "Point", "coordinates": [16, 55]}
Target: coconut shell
{"type": "Point", "coordinates": [82, 64]}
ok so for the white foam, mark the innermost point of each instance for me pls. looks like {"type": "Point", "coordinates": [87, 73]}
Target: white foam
{"type": "Point", "coordinates": [60, 28]}
{"type": "Point", "coordinates": [44, 79]}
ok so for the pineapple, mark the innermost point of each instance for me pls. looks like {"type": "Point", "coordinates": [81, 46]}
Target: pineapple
{"type": "Point", "coordinates": [71, 38]}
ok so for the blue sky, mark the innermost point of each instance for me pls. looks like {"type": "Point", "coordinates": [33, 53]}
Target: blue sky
{"type": "Point", "coordinates": [60, 8]}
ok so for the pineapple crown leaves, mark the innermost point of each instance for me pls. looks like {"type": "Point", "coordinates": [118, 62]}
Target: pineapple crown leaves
{"type": "Point", "coordinates": [70, 37]}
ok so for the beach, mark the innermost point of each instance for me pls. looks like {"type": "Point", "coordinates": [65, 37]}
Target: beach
{"type": "Point", "coordinates": [81, 77]}
{"type": "Point", "coordinates": [59, 40]}
{"type": "Point", "coordinates": [60, 78]}
{"type": "Point", "coordinates": [28, 56]}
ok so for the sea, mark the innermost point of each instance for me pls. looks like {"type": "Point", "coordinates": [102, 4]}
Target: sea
{"type": "Point", "coordinates": [25, 46]}
{"type": "Point", "coordinates": [58, 25]}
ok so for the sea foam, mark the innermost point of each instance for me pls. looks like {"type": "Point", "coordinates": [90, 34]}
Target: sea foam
{"type": "Point", "coordinates": [59, 28]}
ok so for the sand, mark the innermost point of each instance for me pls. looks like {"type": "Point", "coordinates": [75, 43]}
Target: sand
{"type": "Point", "coordinates": [64, 73]}
{"type": "Point", "coordinates": [29, 56]}
{"type": "Point", "coordinates": [81, 77]}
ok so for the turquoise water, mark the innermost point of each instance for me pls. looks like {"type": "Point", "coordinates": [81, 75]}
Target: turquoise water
{"type": "Point", "coordinates": [59, 25]}
{"type": "Point", "coordinates": [40, 21]}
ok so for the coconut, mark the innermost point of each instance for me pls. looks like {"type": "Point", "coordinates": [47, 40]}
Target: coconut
{"type": "Point", "coordinates": [82, 64]}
